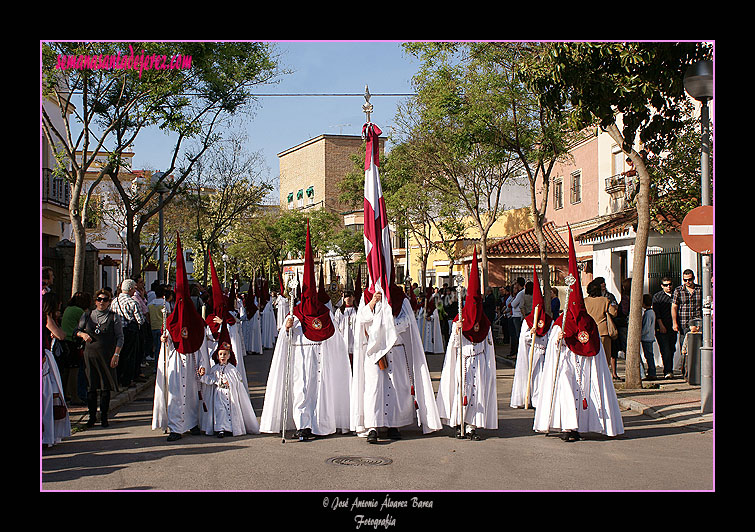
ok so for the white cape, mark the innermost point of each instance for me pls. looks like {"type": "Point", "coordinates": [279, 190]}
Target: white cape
{"type": "Point", "coordinates": [281, 312]}
{"type": "Point", "coordinates": [176, 380]}
{"type": "Point", "coordinates": [519, 387]}
{"type": "Point", "coordinates": [430, 332]}
{"type": "Point", "coordinates": [602, 415]}
{"type": "Point", "coordinates": [479, 383]}
{"type": "Point", "coordinates": [229, 404]}
{"type": "Point", "coordinates": [318, 389]}
{"type": "Point", "coordinates": [407, 365]}
{"type": "Point", "coordinates": [53, 431]}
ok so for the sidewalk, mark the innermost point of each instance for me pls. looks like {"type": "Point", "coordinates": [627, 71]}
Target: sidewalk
{"type": "Point", "coordinates": [673, 400]}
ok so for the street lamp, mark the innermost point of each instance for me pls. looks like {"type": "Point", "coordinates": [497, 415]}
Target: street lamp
{"type": "Point", "coordinates": [160, 188]}
{"type": "Point", "coordinates": [698, 82]}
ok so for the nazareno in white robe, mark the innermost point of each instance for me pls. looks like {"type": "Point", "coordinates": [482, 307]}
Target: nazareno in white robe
{"type": "Point", "coordinates": [228, 401]}
{"type": "Point", "coordinates": [433, 338]}
{"type": "Point", "coordinates": [53, 431]}
{"type": "Point", "coordinates": [519, 387]}
{"type": "Point", "coordinates": [318, 390]}
{"type": "Point", "coordinates": [346, 322]}
{"type": "Point", "coordinates": [269, 328]}
{"type": "Point", "coordinates": [176, 374]}
{"type": "Point", "coordinates": [602, 415]}
{"type": "Point", "coordinates": [382, 398]}
{"type": "Point", "coordinates": [251, 327]}
{"type": "Point", "coordinates": [479, 383]}
{"type": "Point", "coordinates": [237, 344]}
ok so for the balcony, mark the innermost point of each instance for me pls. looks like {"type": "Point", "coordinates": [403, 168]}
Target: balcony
{"type": "Point", "coordinates": [55, 190]}
{"type": "Point", "coordinates": [616, 185]}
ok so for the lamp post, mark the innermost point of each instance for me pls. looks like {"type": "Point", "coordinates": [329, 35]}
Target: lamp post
{"type": "Point", "coordinates": [160, 188]}
{"type": "Point", "coordinates": [698, 82]}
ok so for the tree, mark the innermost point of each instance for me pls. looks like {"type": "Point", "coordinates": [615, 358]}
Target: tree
{"type": "Point", "coordinates": [446, 126]}
{"type": "Point", "coordinates": [114, 91]}
{"type": "Point", "coordinates": [634, 92]}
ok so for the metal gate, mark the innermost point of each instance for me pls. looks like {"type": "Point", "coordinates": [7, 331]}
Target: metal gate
{"type": "Point", "coordinates": [664, 263]}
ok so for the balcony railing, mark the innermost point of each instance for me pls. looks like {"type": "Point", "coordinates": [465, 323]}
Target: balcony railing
{"type": "Point", "coordinates": [55, 190]}
{"type": "Point", "coordinates": [616, 185]}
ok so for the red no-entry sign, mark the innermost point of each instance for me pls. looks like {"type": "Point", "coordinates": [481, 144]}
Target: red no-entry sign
{"type": "Point", "coordinates": [697, 229]}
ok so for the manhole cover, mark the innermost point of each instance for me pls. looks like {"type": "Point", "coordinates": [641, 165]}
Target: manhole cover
{"type": "Point", "coordinates": [359, 460]}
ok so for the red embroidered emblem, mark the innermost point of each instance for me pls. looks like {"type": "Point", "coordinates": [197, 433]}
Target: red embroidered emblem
{"type": "Point", "coordinates": [583, 337]}
{"type": "Point", "coordinates": [316, 324]}
{"type": "Point", "coordinates": [184, 332]}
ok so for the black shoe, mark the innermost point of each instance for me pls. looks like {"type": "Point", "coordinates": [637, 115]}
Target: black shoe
{"type": "Point", "coordinates": [472, 435]}
{"type": "Point", "coordinates": [372, 436]}
{"type": "Point", "coordinates": [459, 435]}
{"type": "Point", "coordinates": [304, 434]}
{"type": "Point", "coordinates": [173, 436]}
{"type": "Point", "coordinates": [394, 434]}
{"type": "Point", "coordinates": [91, 421]}
{"type": "Point", "coordinates": [195, 431]}
{"type": "Point", "coordinates": [103, 420]}
{"type": "Point", "coordinates": [220, 434]}
{"type": "Point", "coordinates": [572, 435]}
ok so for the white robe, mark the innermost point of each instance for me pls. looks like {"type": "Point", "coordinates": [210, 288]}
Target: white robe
{"type": "Point", "coordinates": [230, 407]}
{"type": "Point", "coordinates": [319, 382]}
{"type": "Point", "coordinates": [346, 323]}
{"type": "Point", "coordinates": [519, 387]}
{"type": "Point", "coordinates": [433, 338]}
{"type": "Point", "coordinates": [382, 398]}
{"type": "Point", "coordinates": [269, 328]}
{"type": "Point", "coordinates": [183, 410]}
{"type": "Point", "coordinates": [603, 414]}
{"type": "Point", "coordinates": [479, 383]}
{"type": "Point", "coordinates": [251, 327]}
{"type": "Point", "coordinates": [53, 431]}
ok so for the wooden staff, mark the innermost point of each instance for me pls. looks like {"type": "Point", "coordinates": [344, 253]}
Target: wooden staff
{"type": "Point", "coordinates": [532, 352]}
{"type": "Point", "coordinates": [164, 349]}
{"type": "Point", "coordinates": [462, 399]}
{"type": "Point", "coordinates": [292, 285]}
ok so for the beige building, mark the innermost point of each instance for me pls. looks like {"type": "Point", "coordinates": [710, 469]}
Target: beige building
{"type": "Point", "coordinates": [309, 176]}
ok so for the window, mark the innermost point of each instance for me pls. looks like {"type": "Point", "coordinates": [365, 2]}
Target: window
{"type": "Point", "coordinates": [558, 193]}
{"type": "Point", "coordinates": [576, 187]}
{"type": "Point", "coordinates": [300, 197]}
{"type": "Point", "coordinates": [290, 200]}
{"type": "Point", "coordinates": [310, 195]}
{"type": "Point", "coordinates": [617, 159]}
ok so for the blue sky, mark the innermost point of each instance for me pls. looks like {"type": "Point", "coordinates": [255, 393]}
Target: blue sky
{"type": "Point", "coordinates": [281, 122]}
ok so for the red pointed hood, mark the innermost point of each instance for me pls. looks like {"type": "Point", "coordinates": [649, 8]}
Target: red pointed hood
{"type": "Point", "coordinates": [544, 321]}
{"type": "Point", "coordinates": [219, 303]}
{"type": "Point", "coordinates": [476, 324]}
{"type": "Point", "coordinates": [185, 325]}
{"type": "Point", "coordinates": [249, 304]}
{"type": "Point", "coordinates": [322, 293]}
{"type": "Point", "coordinates": [313, 315]}
{"type": "Point", "coordinates": [397, 293]}
{"type": "Point", "coordinates": [580, 330]}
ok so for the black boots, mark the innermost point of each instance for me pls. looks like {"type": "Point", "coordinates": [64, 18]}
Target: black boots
{"type": "Point", "coordinates": [92, 404]}
{"type": "Point", "coordinates": [104, 407]}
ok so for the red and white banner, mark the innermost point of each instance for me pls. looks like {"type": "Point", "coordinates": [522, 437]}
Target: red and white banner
{"type": "Point", "coordinates": [377, 246]}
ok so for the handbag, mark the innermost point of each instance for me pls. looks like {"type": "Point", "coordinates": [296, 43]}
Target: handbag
{"type": "Point", "coordinates": [59, 411]}
{"type": "Point", "coordinates": [613, 332]}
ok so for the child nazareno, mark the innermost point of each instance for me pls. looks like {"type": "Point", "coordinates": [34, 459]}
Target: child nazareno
{"type": "Point", "coordinates": [229, 403]}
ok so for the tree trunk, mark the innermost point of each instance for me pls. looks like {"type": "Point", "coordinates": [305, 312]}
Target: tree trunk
{"type": "Point", "coordinates": [634, 330]}
{"type": "Point", "coordinates": [484, 255]}
{"type": "Point", "coordinates": [79, 234]}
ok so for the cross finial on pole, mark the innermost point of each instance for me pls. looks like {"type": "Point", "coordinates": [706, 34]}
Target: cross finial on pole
{"type": "Point", "coordinates": [367, 107]}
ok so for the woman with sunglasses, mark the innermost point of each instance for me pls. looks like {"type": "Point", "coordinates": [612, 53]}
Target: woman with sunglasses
{"type": "Point", "coordinates": [102, 333]}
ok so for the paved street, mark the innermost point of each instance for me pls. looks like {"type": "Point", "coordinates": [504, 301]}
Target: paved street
{"type": "Point", "coordinates": [654, 453]}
